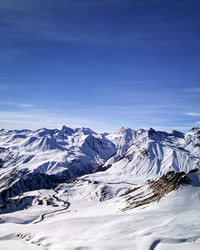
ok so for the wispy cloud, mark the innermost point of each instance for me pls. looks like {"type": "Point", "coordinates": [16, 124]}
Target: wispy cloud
{"type": "Point", "coordinates": [40, 23]}
{"type": "Point", "coordinates": [24, 105]}
{"type": "Point", "coordinates": [44, 118]}
{"type": "Point", "coordinates": [18, 105]}
{"type": "Point", "coordinates": [193, 114]}
{"type": "Point", "coordinates": [198, 122]}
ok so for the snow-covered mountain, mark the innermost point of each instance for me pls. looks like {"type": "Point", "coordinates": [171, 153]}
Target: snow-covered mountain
{"type": "Point", "coordinates": [81, 151]}
{"type": "Point", "coordinates": [40, 159]}
{"type": "Point", "coordinates": [150, 154]}
{"type": "Point", "coordinates": [51, 172]}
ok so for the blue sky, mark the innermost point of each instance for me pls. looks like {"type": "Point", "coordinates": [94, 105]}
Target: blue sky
{"type": "Point", "coordinates": [100, 64]}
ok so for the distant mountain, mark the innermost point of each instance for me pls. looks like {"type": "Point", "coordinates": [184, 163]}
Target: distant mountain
{"type": "Point", "coordinates": [150, 153]}
{"type": "Point", "coordinates": [31, 160]}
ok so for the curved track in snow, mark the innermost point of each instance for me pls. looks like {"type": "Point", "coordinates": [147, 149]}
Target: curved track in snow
{"type": "Point", "coordinates": [66, 205]}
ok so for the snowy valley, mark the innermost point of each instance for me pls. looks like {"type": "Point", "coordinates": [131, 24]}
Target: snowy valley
{"type": "Point", "coordinates": [77, 189]}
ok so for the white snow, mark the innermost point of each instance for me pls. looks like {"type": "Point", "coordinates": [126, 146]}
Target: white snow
{"type": "Point", "coordinates": [94, 219]}
{"type": "Point", "coordinates": [173, 223]}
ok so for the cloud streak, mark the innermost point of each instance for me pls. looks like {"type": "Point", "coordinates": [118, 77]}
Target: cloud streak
{"type": "Point", "coordinates": [194, 114]}
{"type": "Point", "coordinates": [18, 105]}
{"type": "Point", "coordinates": [42, 118]}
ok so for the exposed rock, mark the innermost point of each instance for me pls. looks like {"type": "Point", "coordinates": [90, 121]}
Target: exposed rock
{"type": "Point", "coordinates": [154, 190]}
{"type": "Point", "coordinates": [16, 204]}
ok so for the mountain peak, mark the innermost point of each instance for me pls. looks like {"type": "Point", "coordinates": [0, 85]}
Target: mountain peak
{"type": "Point", "coordinates": [67, 130]}
{"type": "Point", "coordinates": [86, 131]}
{"type": "Point", "coordinates": [123, 130]}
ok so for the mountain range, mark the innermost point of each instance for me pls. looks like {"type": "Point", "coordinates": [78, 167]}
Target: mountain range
{"type": "Point", "coordinates": [46, 172]}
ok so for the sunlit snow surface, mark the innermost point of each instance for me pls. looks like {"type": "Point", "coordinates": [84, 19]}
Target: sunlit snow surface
{"type": "Point", "coordinates": [88, 212]}
{"type": "Point", "coordinates": [172, 223]}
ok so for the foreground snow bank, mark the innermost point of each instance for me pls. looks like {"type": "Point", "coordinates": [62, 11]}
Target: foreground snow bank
{"type": "Point", "coordinates": [171, 223]}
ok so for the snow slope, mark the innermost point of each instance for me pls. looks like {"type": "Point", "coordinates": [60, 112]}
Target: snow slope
{"type": "Point", "coordinates": [76, 189]}
{"type": "Point", "coordinates": [150, 154]}
{"type": "Point", "coordinates": [172, 223]}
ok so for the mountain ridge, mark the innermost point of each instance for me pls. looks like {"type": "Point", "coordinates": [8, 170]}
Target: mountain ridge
{"type": "Point", "coordinates": [32, 160]}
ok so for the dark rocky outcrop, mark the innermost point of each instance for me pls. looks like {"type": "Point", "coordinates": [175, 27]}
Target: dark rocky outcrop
{"type": "Point", "coordinates": [17, 204]}
{"type": "Point", "coordinates": [20, 182]}
{"type": "Point", "coordinates": [154, 190]}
